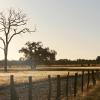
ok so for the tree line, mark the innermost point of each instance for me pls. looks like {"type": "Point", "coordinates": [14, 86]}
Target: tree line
{"type": "Point", "coordinates": [82, 62]}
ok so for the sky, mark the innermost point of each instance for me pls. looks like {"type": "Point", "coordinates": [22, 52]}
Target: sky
{"type": "Point", "coordinates": [70, 27]}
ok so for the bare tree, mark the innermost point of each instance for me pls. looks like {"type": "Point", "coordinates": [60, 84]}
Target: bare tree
{"type": "Point", "coordinates": [12, 23]}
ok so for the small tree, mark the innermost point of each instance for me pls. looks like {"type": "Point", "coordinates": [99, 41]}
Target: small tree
{"type": "Point", "coordinates": [11, 24]}
{"type": "Point", "coordinates": [36, 54]}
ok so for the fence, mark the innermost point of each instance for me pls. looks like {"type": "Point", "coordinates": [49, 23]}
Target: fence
{"type": "Point", "coordinates": [59, 88]}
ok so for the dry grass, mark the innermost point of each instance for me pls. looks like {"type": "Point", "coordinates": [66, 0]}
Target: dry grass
{"type": "Point", "coordinates": [67, 68]}
{"type": "Point", "coordinates": [93, 93]}
{"type": "Point", "coordinates": [22, 76]}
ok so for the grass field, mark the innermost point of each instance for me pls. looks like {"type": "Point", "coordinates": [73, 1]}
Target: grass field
{"type": "Point", "coordinates": [22, 76]}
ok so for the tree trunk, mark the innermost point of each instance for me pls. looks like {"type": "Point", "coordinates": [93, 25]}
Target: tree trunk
{"type": "Point", "coordinates": [33, 63]}
{"type": "Point", "coordinates": [5, 60]}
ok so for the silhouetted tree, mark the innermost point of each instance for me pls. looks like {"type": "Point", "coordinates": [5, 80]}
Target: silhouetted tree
{"type": "Point", "coordinates": [36, 54]}
{"type": "Point", "coordinates": [98, 59]}
{"type": "Point", "coordinates": [12, 23]}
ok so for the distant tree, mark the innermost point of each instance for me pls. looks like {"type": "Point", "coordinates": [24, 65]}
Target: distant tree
{"type": "Point", "coordinates": [36, 54]}
{"type": "Point", "coordinates": [12, 23]}
{"type": "Point", "coordinates": [98, 59]}
{"type": "Point", "coordinates": [63, 61]}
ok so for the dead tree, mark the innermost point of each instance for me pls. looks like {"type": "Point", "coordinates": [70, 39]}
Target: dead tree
{"type": "Point", "coordinates": [12, 23]}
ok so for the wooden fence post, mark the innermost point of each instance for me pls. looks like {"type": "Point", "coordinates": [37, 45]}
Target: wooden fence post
{"type": "Point", "coordinates": [13, 93]}
{"type": "Point", "coordinates": [49, 94]}
{"type": "Point", "coordinates": [58, 87]}
{"type": "Point", "coordinates": [75, 84]}
{"type": "Point", "coordinates": [82, 81]}
{"type": "Point", "coordinates": [97, 74]}
{"type": "Point", "coordinates": [67, 85]}
{"type": "Point", "coordinates": [88, 80]}
{"type": "Point", "coordinates": [93, 78]}
{"type": "Point", "coordinates": [30, 88]}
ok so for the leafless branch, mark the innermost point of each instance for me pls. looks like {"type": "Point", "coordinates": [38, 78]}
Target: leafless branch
{"type": "Point", "coordinates": [2, 40]}
{"type": "Point", "coordinates": [16, 33]}
{"type": "Point", "coordinates": [2, 29]}
{"type": "Point", "coordinates": [17, 18]}
{"type": "Point", "coordinates": [3, 21]}
{"type": "Point", "coordinates": [1, 48]}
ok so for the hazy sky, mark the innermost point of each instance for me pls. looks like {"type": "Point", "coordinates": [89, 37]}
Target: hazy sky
{"type": "Point", "coordinates": [71, 27]}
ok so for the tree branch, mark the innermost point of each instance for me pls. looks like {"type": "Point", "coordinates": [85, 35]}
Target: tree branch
{"type": "Point", "coordinates": [2, 40]}
{"type": "Point", "coordinates": [1, 48]}
{"type": "Point", "coordinates": [16, 33]}
{"type": "Point", "coordinates": [3, 21]}
{"type": "Point", "coordinates": [2, 29]}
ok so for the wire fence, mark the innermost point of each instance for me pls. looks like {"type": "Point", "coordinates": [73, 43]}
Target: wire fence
{"type": "Point", "coordinates": [53, 88]}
